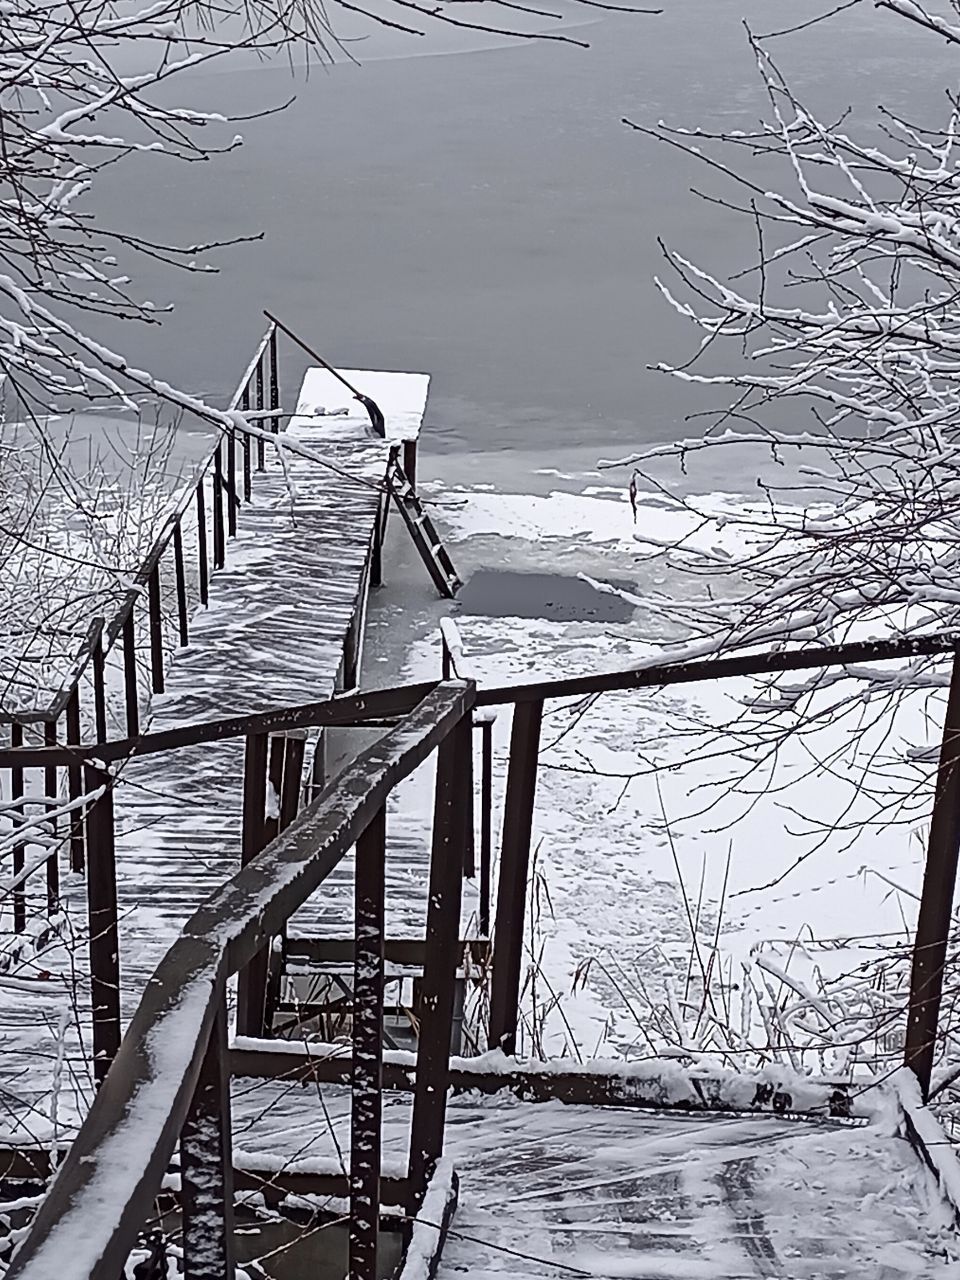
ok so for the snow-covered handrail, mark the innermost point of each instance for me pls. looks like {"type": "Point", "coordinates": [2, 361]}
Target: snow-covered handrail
{"type": "Point", "coordinates": [89, 1221]}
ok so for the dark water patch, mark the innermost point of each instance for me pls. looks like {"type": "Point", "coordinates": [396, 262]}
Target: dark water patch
{"type": "Point", "coordinates": [490, 593]}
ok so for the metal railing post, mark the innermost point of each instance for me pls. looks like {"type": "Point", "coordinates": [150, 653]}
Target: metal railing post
{"type": "Point", "coordinates": [231, 483]}
{"type": "Point", "coordinates": [19, 851]}
{"type": "Point", "coordinates": [206, 1165]}
{"type": "Point", "coordinates": [366, 1081]}
{"type": "Point", "coordinates": [75, 782]}
{"type": "Point", "coordinates": [245, 443]}
{"type": "Point", "coordinates": [514, 864]}
{"type": "Point", "coordinates": [181, 584]}
{"type": "Point", "coordinates": [99, 688]}
{"type": "Point", "coordinates": [102, 922]}
{"type": "Point", "coordinates": [50, 788]}
{"type": "Point", "coordinates": [259, 404]}
{"type": "Point", "coordinates": [486, 822]}
{"type": "Point", "coordinates": [156, 630]}
{"type": "Point", "coordinates": [936, 901]}
{"type": "Point", "coordinates": [252, 980]}
{"type": "Point", "coordinates": [219, 547]}
{"type": "Point", "coordinates": [203, 567]}
{"type": "Point", "coordinates": [130, 686]}
{"type": "Point", "coordinates": [441, 957]}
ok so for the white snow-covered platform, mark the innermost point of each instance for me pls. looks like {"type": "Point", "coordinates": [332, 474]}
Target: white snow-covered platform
{"type": "Point", "coordinates": [325, 403]}
{"type": "Point", "coordinates": [274, 635]}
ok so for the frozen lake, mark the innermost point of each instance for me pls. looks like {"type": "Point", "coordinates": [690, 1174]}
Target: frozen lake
{"type": "Point", "coordinates": [475, 208]}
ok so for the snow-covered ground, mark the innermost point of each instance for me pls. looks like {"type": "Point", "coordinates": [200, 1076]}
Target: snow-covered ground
{"type": "Point", "coordinates": [641, 839]}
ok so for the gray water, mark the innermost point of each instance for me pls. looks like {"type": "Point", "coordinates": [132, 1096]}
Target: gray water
{"type": "Point", "coordinates": [482, 214]}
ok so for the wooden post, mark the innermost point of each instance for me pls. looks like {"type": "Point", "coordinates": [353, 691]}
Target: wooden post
{"type": "Point", "coordinates": [16, 790]}
{"type": "Point", "coordinates": [181, 583]}
{"type": "Point", "coordinates": [486, 823]}
{"type": "Point", "coordinates": [203, 568]}
{"type": "Point", "coordinates": [75, 782]}
{"type": "Point", "coordinates": [514, 864]}
{"type": "Point", "coordinates": [936, 901]}
{"type": "Point", "coordinates": [441, 957]}
{"type": "Point", "coordinates": [156, 629]}
{"type": "Point", "coordinates": [102, 922]}
{"type": "Point", "coordinates": [252, 980]}
{"type": "Point", "coordinates": [131, 688]}
{"type": "Point", "coordinates": [206, 1165]}
{"type": "Point", "coordinates": [50, 787]}
{"type": "Point", "coordinates": [365, 1116]}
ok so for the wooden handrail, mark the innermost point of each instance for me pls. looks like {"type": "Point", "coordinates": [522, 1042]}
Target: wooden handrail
{"type": "Point", "coordinates": [126, 1142]}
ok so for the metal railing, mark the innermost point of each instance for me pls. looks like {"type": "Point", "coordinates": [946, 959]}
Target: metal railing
{"type": "Point", "coordinates": [232, 933]}
{"type": "Point", "coordinates": [207, 510]}
{"type": "Point", "coordinates": [221, 483]}
{"type": "Point", "coordinates": [169, 1079]}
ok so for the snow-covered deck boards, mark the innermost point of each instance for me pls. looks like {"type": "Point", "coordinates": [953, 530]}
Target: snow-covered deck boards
{"type": "Point", "coordinates": [549, 1190]}
{"type": "Point", "coordinates": [272, 636]}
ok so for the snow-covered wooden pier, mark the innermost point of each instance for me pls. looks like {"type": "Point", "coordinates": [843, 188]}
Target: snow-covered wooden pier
{"type": "Point", "coordinates": [235, 995]}
{"type": "Point", "coordinates": [282, 624]}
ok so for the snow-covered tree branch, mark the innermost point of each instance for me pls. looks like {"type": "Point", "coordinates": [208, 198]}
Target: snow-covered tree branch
{"type": "Point", "coordinates": [839, 351]}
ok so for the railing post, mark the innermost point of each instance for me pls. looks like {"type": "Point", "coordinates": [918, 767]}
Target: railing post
{"type": "Point", "coordinates": [376, 555]}
{"type": "Point", "coordinates": [259, 404]}
{"type": "Point", "coordinates": [514, 864]}
{"type": "Point", "coordinates": [102, 922]}
{"type": "Point", "coordinates": [365, 1115]}
{"type": "Point", "coordinates": [99, 688]}
{"type": "Point", "coordinates": [75, 781]}
{"type": "Point", "coordinates": [131, 689]}
{"type": "Point", "coordinates": [410, 462]}
{"type": "Point", "coordinates": [441, 957]}
{"type": "Point", "coordinates": [274, 382]}
{"type": "Point", "coordinates": [181, 584]}
{"type": "Point", "coordinates": [295, 745]}
{"type": "Point", "coordinates": [318, 768]}
{"type": "Point", "coordinates": [486, 823]}
{"type": "Point", "coordinates": [206, 1165]}
{"type": "Point", "coordinates": [245, 443]}
{"type": "Point", "coordinates": [252, 980]}
{"type": "Point", "coordinates": [936, 901]}
{"type": "Point", "coordinates": [203, 568]}
{"type": "Point", "coordinates": [156, 630]}
{"type": "Point", "coordinates": [232, 483]}
{"type": "Point", "coordinates": [19, 861]}
{"type": "Point", "coordinates": [219, 547]}
{"type": "Point", "coordinates": [51, 788]}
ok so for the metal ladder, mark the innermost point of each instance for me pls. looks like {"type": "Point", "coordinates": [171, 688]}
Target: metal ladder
{"type": "Point", "coordinates": [422, 530]}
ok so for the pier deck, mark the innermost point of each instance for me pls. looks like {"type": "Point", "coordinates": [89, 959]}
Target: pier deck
{"type": "Point", "coordinates": [274, 634]}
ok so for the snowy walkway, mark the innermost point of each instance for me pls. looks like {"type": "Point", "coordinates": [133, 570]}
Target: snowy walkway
{"type": "Point", "coordinates": [550, 1190]}
{"type": "Point", "coordinates": [273, 636]}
